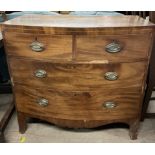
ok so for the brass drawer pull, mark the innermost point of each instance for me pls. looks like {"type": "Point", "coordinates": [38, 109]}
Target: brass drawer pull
{"type": "Point", "coordinates": [109, 105]}
{"type": "Point", "coordinates": [37, 46]}
{"type": "Point", "coordinates": [111, 76]}
{"type": "Point", "coordinates": [40, 73]}
{"type": "Point", "coordinates": [113, 47]}
{"type": "Point", "coordinates": [42, 102]}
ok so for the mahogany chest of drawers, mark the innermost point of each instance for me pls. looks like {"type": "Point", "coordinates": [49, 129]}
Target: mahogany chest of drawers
{"type": "Point", "coordinates": [79, 72]}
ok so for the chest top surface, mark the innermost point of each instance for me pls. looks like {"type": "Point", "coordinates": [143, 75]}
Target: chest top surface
{"type": "Point", "coordinates": [68, 21]}
{"type": "Point", "coordinates": [87, 25]}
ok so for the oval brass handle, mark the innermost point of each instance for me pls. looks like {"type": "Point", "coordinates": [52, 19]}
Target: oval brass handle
{"type": "Point", "coordinates": [111, 76]}
{"type": "Point", "coordinates": [37, 46]}
{"type": "Point", "coordinates": [113, 47]}
{"type": "Point", "coordinates": [42, 102]}
{"type": "Point", "coordinates": [40, 73]}
{"type": "Point", "coordinates": [109, 105]}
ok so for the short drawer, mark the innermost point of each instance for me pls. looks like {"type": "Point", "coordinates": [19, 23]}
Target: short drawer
{"type": "Point", "coordinates": [77, 76]}
{"type": "Point", "coordinates": [39, 46]}
{"type": "Point", "coordinates": [113, 48]}
{"type": "Point", "coordinates": [79, 105]}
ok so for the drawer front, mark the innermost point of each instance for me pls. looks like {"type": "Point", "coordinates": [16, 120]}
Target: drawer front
{"type": "Point", "coordinates": [79, 105]}
{"type": "Point", "coordinates": [77, 76]}
{"type": "Point", "coordinates": [39, 46]}
{"type": "Point", "coordinates": [113, 48]}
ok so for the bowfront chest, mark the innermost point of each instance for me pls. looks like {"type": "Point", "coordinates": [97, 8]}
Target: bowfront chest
{"type": "Point", "coordinates": [79, 72]}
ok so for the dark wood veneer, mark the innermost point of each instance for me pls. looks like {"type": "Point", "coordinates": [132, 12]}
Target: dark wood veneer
{"type": "Point", "coordinates": [75, 61]}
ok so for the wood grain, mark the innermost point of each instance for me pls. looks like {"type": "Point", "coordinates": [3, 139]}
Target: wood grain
{"type": "Point", "coordinates": [134, 47]}
{"type": "Point", "coordinates": [79, 105]}
{"type": "Point", "coordinates": [56, 46]}
{"type": "Point", "coordinates": [99, 25]}
{"type": "Point", "coordinates": [84, 49]}
{"type": "Point", "coordinates": [75, 61]}
{"type": "Point", "coordinates": [78, 123]}
{"type": "Point", "coordinates": [76, 76]}
{"type": "Point", "coordinates": [78, 21]}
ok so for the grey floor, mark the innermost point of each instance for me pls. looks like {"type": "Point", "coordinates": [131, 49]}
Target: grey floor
{"type": "Point", "coordinates": [48, 133]}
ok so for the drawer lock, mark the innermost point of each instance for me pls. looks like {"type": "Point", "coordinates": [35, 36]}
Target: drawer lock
{"type": "Point", "coordinates": [40, 73]}
{"type": "Point", "coordinates": [111, 76]}
{"type": "Point", "coordinates": [42, 102]}
{"type": "Point", "coordinates": [109, 105]}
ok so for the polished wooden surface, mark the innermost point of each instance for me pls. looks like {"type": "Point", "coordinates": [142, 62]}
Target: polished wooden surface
{"type": "Point", "coordinates": [134, 47]}
{"type": "Point", "coordinates": [77, 76]}
{"type": "Point", "coordinates": [98, 25]}
{"type": "Point", "coordinates": [83, 48]}
{"type": "Point", "coordinates": [79, 105]}
{"type": "Point", "coordinates": [56, 47]}
{"type": "Point", "coordinates": [76, 61]}
{"type": "Point", "coordinates": [78, 21]}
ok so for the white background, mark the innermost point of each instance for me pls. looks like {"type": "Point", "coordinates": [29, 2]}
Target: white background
{"type": "Point", "coordinates": [77, 5]}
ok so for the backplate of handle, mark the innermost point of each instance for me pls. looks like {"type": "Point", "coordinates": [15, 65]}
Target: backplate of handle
{"type": "Point", "coordinates": [113, 47]}
{"type": "Point", "coordinates": [40, 73]}
{"type": "Point", "coordinates": [111, 76]}
{"type": "Point", "coordinates": [37, 46]}
{"type": "Point", "coordinates": [109, 105]}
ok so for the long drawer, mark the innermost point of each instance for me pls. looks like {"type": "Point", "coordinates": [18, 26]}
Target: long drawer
{"type": "Point", "coordinates": [114, 48]}
{"type": "Point", "coordinates": [39, 46]}
{"type": "Point", "coordinates": [77, 76]}
{"type": "Point", "coordinates": [113, 104]}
